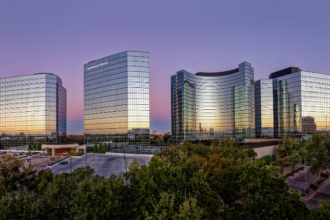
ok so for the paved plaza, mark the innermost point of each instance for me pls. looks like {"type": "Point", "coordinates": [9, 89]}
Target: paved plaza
{"type": "Point", "coordinates": [41, 162]}
{"type": "Point", "coordinates": [103, 164]}
{"type": "Point", "coordinates": [322, 194]}
{"type": "Point", "coordinates": [303, 180]}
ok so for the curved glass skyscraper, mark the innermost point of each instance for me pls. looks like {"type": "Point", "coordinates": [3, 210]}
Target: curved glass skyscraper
{"type": "Point", "coordinates": [32, 109]}
{"type": "Point", "coordinates": [213, 105]}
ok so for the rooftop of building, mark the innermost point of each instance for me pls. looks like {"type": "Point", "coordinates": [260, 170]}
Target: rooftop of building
{"type": "Point", "coordinates": [114, 55]}
{"type": "Point", "coordinates": [223, 73]}
{"type": "Point", "coordinates": [284, 72]}
{"type": "Point", "coordinates": [30, 75]}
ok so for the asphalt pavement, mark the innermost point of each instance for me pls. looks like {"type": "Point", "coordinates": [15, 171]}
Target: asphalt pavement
{"type": "Point", "coordinates": [103, 164]}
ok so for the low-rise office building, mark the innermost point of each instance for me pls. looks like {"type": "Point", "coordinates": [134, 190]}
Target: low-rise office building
{"type": "Point", "coordinates": [63, 149]}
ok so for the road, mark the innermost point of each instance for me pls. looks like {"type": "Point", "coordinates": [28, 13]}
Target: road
{"type": "Point", "coordinates": [104, 165]}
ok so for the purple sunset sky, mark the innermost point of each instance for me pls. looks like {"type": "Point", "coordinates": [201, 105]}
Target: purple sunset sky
{"type": "Point", "coordinates": [60, 36]}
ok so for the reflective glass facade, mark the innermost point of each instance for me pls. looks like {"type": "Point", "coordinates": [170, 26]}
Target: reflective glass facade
{"type": "Point", "coordinates": [213, 105]}
{"type": "Point", "coordinates": [32, 109]}
{"type": "Point", "coordinates": [116, 99]}
{"type": "Point", "coordinates": [301, 104]}
{"type": "Point", "coordinates": [264, 108]}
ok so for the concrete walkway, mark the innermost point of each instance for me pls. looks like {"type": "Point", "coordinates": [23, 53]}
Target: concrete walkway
{"type": "Point", "coordinates": [301, 179]}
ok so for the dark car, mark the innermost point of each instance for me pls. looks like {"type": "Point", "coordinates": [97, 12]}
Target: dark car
{"type": "Point", "coordinates": [64, 162]}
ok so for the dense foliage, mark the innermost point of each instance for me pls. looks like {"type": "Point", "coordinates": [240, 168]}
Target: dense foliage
{"type": "Point", "coordinates": [317, 153]}
{"type": "Point", "coordinates": [222, 181]}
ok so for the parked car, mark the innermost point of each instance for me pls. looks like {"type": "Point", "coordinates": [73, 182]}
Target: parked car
{"type": "Point", "coordinates": [64, 162]}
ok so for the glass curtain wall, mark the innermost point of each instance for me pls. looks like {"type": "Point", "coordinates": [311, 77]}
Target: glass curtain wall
{"type": "Point", "coordinates": [32, 110]}
{"type": "Point", "coordinates": [212, 106]}
{"type": "Point", "coordinates": [116, 99]}
{"type": "Point", "coordinates": [301, 104]}
{"type": "Point", "coordinates": [264, 113]}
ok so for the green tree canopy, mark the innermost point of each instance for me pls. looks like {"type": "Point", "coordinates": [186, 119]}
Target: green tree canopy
{"type": "Point", "coordinates": [317, 153]}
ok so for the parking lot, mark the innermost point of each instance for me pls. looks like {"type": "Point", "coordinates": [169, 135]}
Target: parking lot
{"type": "Point", "coordinates": [103, 164]}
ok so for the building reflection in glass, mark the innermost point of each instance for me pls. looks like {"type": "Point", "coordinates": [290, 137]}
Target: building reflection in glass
{"type": "Point", "coordinates": [264, 108]}
{"type": "Point", "coordinates": [301, 103]}
{"type": "Point", "coordinates": [32, 109]}
{"type": "Point", "coordinates": [213, 105]}
{"type": "Point", "coordinates": [116, 99]}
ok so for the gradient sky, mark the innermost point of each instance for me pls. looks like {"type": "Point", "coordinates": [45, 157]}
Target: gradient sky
{"type": "Point", "coordinates": [60, 36]}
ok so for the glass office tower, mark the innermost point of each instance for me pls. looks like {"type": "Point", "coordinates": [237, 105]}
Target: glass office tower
{"type": "Point", "coordinates": [301, 103]}
{"type": "Point", "coordinates": [116, 99]}
{"type": "Point", "coordinates": [32, 110]}
{"type": "Point", "coordinates": [212, 106]}
{"type": "Point", "coordinates": [264, 108]}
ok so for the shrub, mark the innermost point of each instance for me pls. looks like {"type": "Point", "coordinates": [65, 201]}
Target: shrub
{"type": "Point", "coordinates": [267, 159]}
{"type": "Point", "coordinates": [78, 154]}
{"type": "Point", "coordinates": [273, 157]}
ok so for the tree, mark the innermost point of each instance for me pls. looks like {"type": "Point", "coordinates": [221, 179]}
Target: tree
{"type": "Point", "coordinates": [104, 148]}
{"type": "Point", "coordinates": [34, 146]}
{"type": "Point", "coordinates": [99, 148]}
{"type": "Point", "coordinates": [166, 137]}
{"type": "Point", "coordinates": [180, 182]}
{"type": "Point", "coordinates": [169, 140]}
{"type": "Point", "coordinates": [95, 148]}
{"type": "Point", "coordinates": [29, 146]}
{"type": "Point", "coordinates": [287, 146]}
{"type": "Point", "coordinates": [164, 208]}
{"type": "Point", "coordinates": [153, 141]}
{"type": "Point", "coordinates": [39, 146]}
{"type": "Point", "coordinates": [255, 191]}
{"type": "Point", "coordinates": [322, 212]}
{"type": "Point", "coordinates": [252, 154]}
{"type": "Point", "coordinates": [317, 153]}
{"type": "Point", "coordinates": [267, 159]}
{"type": "Point", "coordinates": [282, 163]}
{"type": "Point", "coordinates": [294, 158]}
{"type": "Point", "coordinates": [10, 167]}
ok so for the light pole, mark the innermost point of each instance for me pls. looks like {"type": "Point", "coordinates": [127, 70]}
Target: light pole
{"type": "Point", "coordinates": [86, 156]}
{"type": "Point", "coordinates": [305, 177]}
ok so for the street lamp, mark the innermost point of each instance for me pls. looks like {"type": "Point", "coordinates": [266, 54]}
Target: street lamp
{"type": "Point", "coordinates": [305, 176]}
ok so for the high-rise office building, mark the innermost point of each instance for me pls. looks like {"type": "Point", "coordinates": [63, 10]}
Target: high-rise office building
{"type": "Point", "coordinates": [264, 108]}
{"type": "Point", "coordinates": [32, 109]}
{"type": "Point", "coordinates": [213, 105]}
{"type": "Point", "coordinates": [301, 103]}
{"type": "Point", "coordinates": [116, 99]}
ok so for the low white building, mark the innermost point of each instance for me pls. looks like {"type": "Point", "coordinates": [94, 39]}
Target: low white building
{"type": "Point", "coordinates": [63, 149]}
